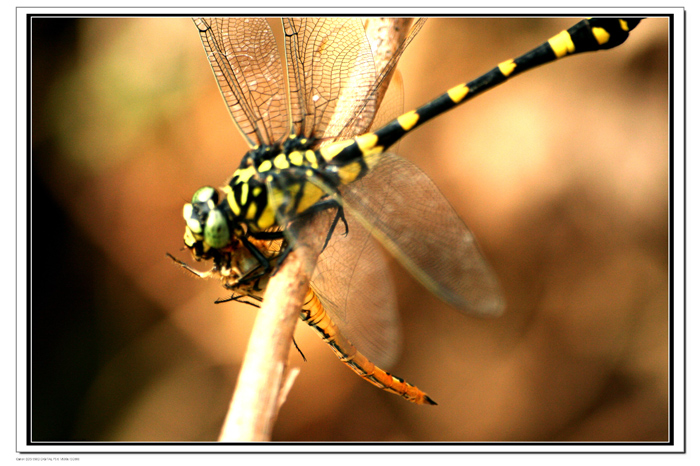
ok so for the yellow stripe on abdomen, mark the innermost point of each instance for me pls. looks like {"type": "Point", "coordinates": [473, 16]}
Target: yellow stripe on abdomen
{"type": "Point", "coordinates": [458, 93]}
{"type": "Point", "coordinates": [562, 44]}
{"type": "Point", "coordinates": [330, 151]}
{"type": "Point", "coordinates": [601, 35]}
{"type": "Point", "coordinates": [408, 120]}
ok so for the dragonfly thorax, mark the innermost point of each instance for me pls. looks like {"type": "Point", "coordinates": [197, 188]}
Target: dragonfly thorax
{"type": "Point", "coordinates": [246, 207]}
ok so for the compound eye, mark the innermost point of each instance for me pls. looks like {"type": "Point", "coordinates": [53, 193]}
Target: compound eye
{"type": "Point", "coordinates": [216, 231]}
{"type": "Point", "coordinates": [192, 220]}
{"type": "Point", "coordinates": [205, 195]}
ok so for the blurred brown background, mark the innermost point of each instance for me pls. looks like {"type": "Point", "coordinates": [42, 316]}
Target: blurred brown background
{"type": "Point", "coordinates": [562, 174]}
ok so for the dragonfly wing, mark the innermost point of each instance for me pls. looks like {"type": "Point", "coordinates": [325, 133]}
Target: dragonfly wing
{"type": "Point", "coordinates": [354, 284]}
{"type": "Point", "coordinates": [351, 277]}
{"type": "Point", "coordinates": [407, 213]}
{"type": "Point", "coordinates": [244, 57]}
{"type": "Point", "coordinates": [386, 69]}
{"type": "Point", "coordinates": [330, 69]}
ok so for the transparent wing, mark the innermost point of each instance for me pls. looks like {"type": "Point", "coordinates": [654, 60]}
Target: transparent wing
{"type": "Point", "coordinates": [402, 208]}
{"type": "Point", "coordinates": [351, 277]}
{"type": "Point", "coordinates": [407, 213]}
{"type": "Point", "coordinates": [354, 284]}
{"type": "Point", "coordinates": [392, 106]}
{"type": "Point", "coordinates": [357, 121]}
{"type": "Point", "coordinates": [330, 68]}
{"type": "Point", "coordinates": [244, 57]}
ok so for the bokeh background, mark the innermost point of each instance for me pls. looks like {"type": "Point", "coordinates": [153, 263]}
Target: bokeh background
{"type": "Point", "coordinates": [562, 174]}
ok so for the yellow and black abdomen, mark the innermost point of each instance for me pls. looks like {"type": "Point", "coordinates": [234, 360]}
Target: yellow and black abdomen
{"type": "Point", "coordinates": [352, 158]}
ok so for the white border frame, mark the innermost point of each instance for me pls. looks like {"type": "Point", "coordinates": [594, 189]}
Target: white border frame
{"type": "Point", "coordinates": [679, 343]}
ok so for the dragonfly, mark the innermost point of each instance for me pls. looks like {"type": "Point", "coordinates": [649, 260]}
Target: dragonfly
{"type": "Point", "coordinates": [313, 149]}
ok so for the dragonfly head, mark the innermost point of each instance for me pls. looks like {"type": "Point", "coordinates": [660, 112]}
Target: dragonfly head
{"type": "Point", "coordinates": [209, 227]}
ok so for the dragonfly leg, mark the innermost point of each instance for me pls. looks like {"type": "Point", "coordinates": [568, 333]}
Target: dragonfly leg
{"type": "Point", "coordinates": [239, 299]}
{"type": "Point", "coordinates": [282, 256]}
{"type": "Point", "coordinates": [242, 299]}
{"type": "Point", "coordinates": [340, 215]}
{"type": "Point", "coordinates": [260, 257]}
{"type": "Point", "coordinates": [195, 272]}
{"type": "Point", "coordinates": [298, 349]}
{"type": "Point", "coordinates": [268, 235]}
{"type": "Point", "coordinates": [316, 208]}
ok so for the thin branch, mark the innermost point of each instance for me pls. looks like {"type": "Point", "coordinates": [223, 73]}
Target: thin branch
{"type": "Point", "coordinates": [258, 394]}
{"type": "Point", "coordinates": [255, 402]}
{"type": "Point", "coordinates": [385, 35]}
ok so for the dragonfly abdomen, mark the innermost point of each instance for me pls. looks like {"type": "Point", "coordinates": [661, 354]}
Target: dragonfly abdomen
{"type": "Point", "coordinates": [314, 314]}
{"type": "Point", "coordinates": [354, 156]}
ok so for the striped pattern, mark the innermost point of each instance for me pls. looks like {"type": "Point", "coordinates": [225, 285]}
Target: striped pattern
{"type": "Point", "coordinates": [589, 35]}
